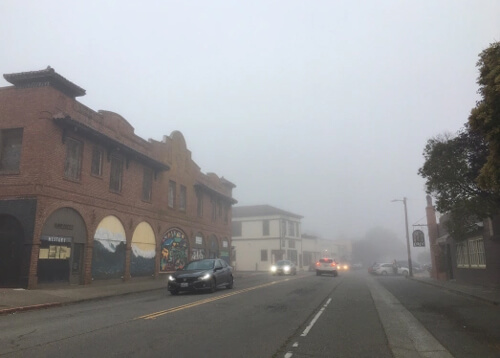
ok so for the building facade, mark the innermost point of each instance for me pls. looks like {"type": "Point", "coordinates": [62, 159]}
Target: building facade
{"type": "Point", "coordinates": [474, 259]}
{"type": "Point", "coordinates": [262, 235]}
{"type": "Point", "coordinates": [83, 198]}
{"type": "Point", "coordinates": [314, 248]}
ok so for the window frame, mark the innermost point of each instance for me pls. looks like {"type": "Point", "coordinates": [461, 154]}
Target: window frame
{"type": "Point", "coordinates": [171, 194]}
{"type": "Point", "coordinates": [477, 257]}
{"type": "Point", "coordinates": [114, 161]}
{"type": "Point", "coordinates": [73, 164]}
{"type": "Point", "coordinates": [15, 139]}
{"type": "Point", "coordinates": [199, 204]}
{"type": "Point", "coordinates": [470, 254]}
{"type": "Point", "coordinates": [214, 209]}
{"type": "Point", "coordinates": [264, 255]}
{"type": "Point", "coordinates": [265, 228]}
{"type": "Point", "coordinates": [100, 152]}
{"type": "Point", "coordinates": [147, 184]}
{"type": "Point", "coordinates": [182, 198]}
{"type": "Point", "coordinates": [236, 228]}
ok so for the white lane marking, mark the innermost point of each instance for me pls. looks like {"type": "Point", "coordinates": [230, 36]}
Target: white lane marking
{"type": "Point", "coordinates": [295, 345]}
{"type": "Point", "coordinates": [308, 328]}
{"type": "Point", "coordinates": [288, 355]}
{"type": "Point", "coordinates": [406, 335]}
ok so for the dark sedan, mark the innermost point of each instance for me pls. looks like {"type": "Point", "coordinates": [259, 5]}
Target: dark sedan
{"type": "Point", "coordinates": [201, 275]}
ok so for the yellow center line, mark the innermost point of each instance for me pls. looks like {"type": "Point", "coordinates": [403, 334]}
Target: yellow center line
{"type": "Point", "coordinates": [207, 300]}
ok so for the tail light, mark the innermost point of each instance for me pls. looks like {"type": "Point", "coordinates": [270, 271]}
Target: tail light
{"type": "Point", "coordinates": [333, 264]}
{"type": "Point", "coordinates": [317, 263]}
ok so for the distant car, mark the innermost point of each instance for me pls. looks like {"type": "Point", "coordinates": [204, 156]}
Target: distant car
{"type": "Point", "coordinates": [201, 275]}
{"type": "Point", "coordinates": [284, 267]}
{"type": "Point", "coordinates": [388, 269]}
{"type": "Point", "coordinates": [343, 267]}
{"type": "Point", "coordinates": [405, 271]}
{"type": "Point", "coordinates": [384, 269]}
{"type": "Point", "coordinates": [373, 267]}
{"type": "Point", "coordinates": [357, 266]}
{"type": "Point", "coordinates": [326, 265]}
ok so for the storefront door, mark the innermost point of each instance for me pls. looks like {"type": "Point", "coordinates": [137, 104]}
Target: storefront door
{"type": "Point", "coordinates": [76, 276]}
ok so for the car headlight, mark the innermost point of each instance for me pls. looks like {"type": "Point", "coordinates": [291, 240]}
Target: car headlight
{"type": "Point", "coordinates": [286, 268]}
{"type": "Point", "coordinates": [346, 267]}
{"type": "Point", "coordinates": [171, 278]}
{"type": "Point", "coordinates": [204, 277]}
{"type": "Point", "coordinates": [273, 268]}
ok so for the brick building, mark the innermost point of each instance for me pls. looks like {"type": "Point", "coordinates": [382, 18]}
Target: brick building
{"type": "Point", "coordinates": [475, 259]}
{"type": "Point", "coordinates": [82, 197]}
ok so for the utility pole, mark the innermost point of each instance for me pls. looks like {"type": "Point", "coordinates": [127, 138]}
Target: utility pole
{"type": "Point", "coordinates": [410, 269]}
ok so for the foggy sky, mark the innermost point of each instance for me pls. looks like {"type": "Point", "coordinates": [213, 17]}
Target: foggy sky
{"type": "Point", "coordinates": [321, 108]}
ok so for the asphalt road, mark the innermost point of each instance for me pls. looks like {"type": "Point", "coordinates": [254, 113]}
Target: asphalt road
{"type": "Point", "coordinates": [352, 315]}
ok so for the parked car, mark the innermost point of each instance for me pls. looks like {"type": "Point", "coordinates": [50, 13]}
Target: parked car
{"type": "Point", "coordinates": [326, 265]}
{"type": "Point", "coordinates": [384, 269]}
{"type": "Point", "coordinates": [284, 267]}
{"type": "Point", "coordinates": [388, 269]}
{"type": "Point", "coordinates": [405, 271]}
{"type": "Point", "coordinates": [373, 267]}
{"type": "Point", "coordinates": [199, 275]}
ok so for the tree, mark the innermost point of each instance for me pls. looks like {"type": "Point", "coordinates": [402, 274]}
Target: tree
{"type": "Point", "coordinates": [485, 117]}
{"type": "Point", "coordinates": [452, 164]}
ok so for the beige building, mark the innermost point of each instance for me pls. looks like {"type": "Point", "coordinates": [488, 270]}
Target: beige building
{"type": "Point", "coordinates": [262, 235]}
{"type": "Point", "coordinates": [314, 248]}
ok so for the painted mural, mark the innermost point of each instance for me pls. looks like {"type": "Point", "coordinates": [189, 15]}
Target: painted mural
{"type": "Point", "coordinates": [142, 260]}
{"type": "Point", "coordinates": [108, 258]}
{"type": "Point", "coordinates": [174, 251]}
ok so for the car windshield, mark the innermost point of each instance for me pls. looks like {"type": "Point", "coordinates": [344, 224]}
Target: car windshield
{"type": "Point", "coordinates": [200, 265]}
{"type": "Point", "coordinates": [283, 263]}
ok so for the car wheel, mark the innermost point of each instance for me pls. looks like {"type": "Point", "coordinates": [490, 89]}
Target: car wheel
{"type": "Point", "coordinates": [318, 273]}
{"type": "Point", "coordinates": [405, 273]}
{"type": "Point", "coordinates": [384, 273]}
{"type": "Point", "coordinates": [212, 286]}
{"type": "Point", "coordinates": [174, 292]}
{"type": "Point", "coordinates": [231, 282]}
{"type": "Point", "coordinates": [294, 272]}
{"type": "Point", "coordinates": [335, 273]}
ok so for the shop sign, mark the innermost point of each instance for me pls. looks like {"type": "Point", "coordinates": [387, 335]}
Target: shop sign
{"type": "Point", "coordinates": [63, 226]}
{"type": "Point", "coordinates": [58, 239]}
{"type": "Point", "coordinates": [418, 238]}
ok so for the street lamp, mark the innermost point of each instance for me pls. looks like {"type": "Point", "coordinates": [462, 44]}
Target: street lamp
{"type": "Point", "coordinates": [410, 270]}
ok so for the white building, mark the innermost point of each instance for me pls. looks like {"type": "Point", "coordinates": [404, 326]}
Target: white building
{"type": "Point", "coordinates": [262, 235]}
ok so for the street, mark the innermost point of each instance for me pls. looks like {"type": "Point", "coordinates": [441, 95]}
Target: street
{"type": "Point", "coordinates": [352, 315]}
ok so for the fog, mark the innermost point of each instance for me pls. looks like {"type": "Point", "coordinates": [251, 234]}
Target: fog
{"type": "Point", "coordinates": [320, 108]}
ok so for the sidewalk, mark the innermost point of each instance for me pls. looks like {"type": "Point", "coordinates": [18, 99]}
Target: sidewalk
{"type": "Point", "coordinates": [486, 294]}
{"type": "Point", "coordinates": [52, 295]}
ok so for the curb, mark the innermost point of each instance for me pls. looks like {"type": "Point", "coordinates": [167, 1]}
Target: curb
{"type": "Point", "coordinates": [29, 308]}
{"type": "Point", "coordinates": [457, 291]}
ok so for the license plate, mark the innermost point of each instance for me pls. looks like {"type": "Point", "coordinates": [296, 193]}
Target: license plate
{"type": "Point", "coordinates": [184, 284]}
